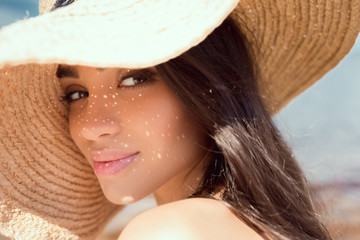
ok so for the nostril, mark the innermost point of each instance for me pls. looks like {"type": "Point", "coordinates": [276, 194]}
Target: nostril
{"type": "Point", "coordinates": [104, 135]}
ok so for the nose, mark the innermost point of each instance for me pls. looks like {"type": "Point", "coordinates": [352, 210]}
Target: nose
{"type": "Point", "coordinates": [100, 122]}
{"type": "Point", "coordinates": [99, 128]}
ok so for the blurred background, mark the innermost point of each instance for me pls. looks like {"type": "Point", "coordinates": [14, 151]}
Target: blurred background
{"type": "Point", "coordinates": [322, 126]}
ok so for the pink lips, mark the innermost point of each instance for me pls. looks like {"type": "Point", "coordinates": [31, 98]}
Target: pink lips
{"type": "Point", "coordinates": [108, 163]}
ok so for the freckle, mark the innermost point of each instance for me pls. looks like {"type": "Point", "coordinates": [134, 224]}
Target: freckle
{"type": "Point", "coordinates": [147, 133]}
{"type": "Point", "coordinates": [159, 155]}
{"type": "Point", "coordinates": [113, 96]}
{"type": "Point", "coordinates": [110, 87]}
{"type": "Point", "coordinates": [95, 96]}
{"type": "Point", "coordinates": [115, 103]}
{"type": "Point", "coordinates": [116, 94]}
{"type": "Point", "coordinates": [125, 145]}
{"type": "Point", "coordinates": [105, 96]}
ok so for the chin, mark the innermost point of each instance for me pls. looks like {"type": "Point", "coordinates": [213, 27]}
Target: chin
{"type": "Point", "coordinates": [123, 199]}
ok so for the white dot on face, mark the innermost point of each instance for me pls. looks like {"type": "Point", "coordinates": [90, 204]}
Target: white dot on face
{"type": "Point", "coordinates": [147, 133]}
{"type": "Point", "coordinates": [125, 145]}
{"type": "Point", "coordinates": [105, 105]}
{"type": "Point", "coordinates": [105, 96]}
{"type": "Point", "coordinates": [129, 135]}
{"type": "Point", "coordinates": [146, 123]}
{"type": "Point", "coordinates": [159, 155]}
{"type": "Point", "coordinates": [157, 115]}
{"type": "Point", "coordinates": [139, 94]}
{"type": "Point", "coordinates": [102, 86]}
{"type": "Point", "coordinates": [127, 199]}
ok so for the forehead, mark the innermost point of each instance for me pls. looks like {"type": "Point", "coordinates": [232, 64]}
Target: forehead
{"type": "Point", "coordinates": [70, 71]}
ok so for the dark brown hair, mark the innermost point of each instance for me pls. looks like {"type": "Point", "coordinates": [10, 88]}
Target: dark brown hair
{"type": "Point", "coordinates": [263, 184]}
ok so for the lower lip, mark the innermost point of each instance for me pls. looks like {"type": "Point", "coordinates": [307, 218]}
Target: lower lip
{"type": "Point", "coordinates": [113, 167]}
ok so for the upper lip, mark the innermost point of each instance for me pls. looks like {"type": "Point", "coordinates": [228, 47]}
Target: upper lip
{"type": "Point", "coordinates": [110, 155]}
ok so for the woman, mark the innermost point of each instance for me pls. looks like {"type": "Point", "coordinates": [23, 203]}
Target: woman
{"type": "Point", "coordinates": [189, 126]}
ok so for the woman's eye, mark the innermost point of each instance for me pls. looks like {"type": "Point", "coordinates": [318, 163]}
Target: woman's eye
{"type": "Point", "coordinates": [74, 95]}
{"type": "Point", "coordinates": [136, 78]}
{"type": "Point", "coordinates": [131, 81]}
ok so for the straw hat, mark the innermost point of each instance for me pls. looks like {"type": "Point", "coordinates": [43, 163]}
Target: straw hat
{"type": "Point", "coordinates": [47, 189]}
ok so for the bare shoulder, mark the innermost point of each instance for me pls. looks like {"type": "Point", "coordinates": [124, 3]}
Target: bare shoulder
{"type": "Point", "coordinates": [188, 219]}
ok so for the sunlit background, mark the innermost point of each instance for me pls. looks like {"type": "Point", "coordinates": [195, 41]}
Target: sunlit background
{"type": "Point", "coordinates": [322, 125]}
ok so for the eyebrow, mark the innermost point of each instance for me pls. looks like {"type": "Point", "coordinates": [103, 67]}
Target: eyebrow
{"type": "Point", "coordinates": [66, 71]}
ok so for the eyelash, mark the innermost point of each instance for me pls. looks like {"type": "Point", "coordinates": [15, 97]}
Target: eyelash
{"type": "Point", "coordinates": [146, 77]}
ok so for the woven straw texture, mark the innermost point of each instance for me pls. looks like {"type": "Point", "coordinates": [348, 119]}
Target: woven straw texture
{"type": "Point", "coordinates": [47, 189]}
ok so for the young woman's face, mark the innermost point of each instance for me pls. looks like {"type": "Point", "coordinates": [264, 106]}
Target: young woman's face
{"type": "Point", "coordinates": [133, 130]}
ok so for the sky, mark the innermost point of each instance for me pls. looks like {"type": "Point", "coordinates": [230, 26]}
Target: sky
{"type": "Point", "coordinates": [322, 125]}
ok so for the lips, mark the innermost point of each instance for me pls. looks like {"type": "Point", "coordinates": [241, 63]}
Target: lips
{"type": "Point", "coordinates": [108, 163]}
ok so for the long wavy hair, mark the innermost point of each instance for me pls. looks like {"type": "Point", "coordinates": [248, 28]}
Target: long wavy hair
{"type": "Point", "coordinates": [251, 164]}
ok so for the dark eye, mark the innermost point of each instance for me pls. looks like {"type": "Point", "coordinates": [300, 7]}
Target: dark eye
{"type": "Point", "coordinates": [74, 95]}
{"type": "Point", "coordinates": [136, 78]}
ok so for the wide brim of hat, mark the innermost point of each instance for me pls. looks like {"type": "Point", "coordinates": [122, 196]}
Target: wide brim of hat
{"type": "Point", "coordinates": [112, 33]}
{"type": "Point", "coordinates": [295, 42]}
